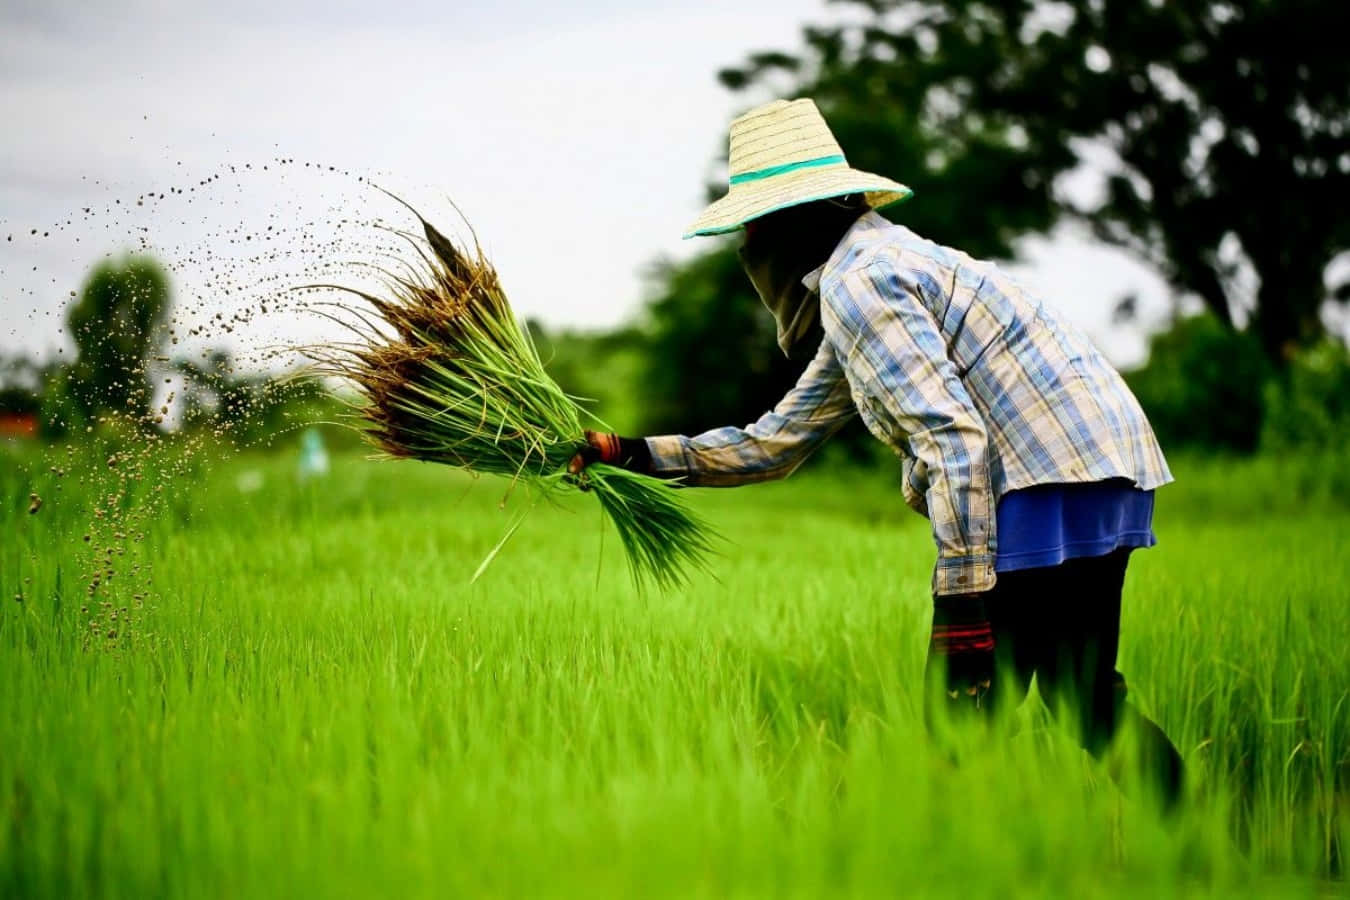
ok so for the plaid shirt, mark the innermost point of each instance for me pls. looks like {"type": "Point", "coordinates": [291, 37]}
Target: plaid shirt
{"type": "Point", "coordinates": [979, 387]}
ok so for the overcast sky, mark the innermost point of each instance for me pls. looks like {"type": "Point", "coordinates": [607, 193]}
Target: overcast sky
{"type": "Point", "coordinates": [576, 137]}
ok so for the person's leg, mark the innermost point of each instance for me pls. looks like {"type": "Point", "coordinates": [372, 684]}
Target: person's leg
{"type": "Point", "coordinates": [1078, 672]}
{"type": "Point", "coordinates": [1018, 641]}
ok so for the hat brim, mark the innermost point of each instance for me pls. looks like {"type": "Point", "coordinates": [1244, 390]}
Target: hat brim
{"type": "Point", "coordinates": [748, 201]}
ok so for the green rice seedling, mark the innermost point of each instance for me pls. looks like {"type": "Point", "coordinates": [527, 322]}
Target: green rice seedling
{"type": "Point", "coordinates": [448, 375]}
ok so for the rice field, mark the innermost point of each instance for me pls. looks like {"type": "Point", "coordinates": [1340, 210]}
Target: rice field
{"type": "Point", "coordinates": [309, 698]}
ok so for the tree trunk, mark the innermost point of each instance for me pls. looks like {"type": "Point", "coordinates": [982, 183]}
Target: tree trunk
{"type": "Point", "coordinates": [1287, 313]}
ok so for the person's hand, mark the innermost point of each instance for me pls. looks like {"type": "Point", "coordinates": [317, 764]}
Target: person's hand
{"type": "Point", "coordinates": [962, 644]}
{"type": "Point", "coordinates": [600, 447]}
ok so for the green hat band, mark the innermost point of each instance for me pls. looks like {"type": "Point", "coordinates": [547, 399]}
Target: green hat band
{"type": "Point", "coordinates": [770, 172]}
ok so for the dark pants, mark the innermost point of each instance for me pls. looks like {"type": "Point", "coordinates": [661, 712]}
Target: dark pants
{"type": "Point", "coordinates": [1061, 624]}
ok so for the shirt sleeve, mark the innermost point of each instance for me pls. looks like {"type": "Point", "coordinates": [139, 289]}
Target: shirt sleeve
{"type": "Point", "coordinates": [772, 447]}
{"type": "Point", "coordinates": [897, 353]}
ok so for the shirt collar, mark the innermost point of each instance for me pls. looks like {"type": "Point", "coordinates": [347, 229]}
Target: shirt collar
{"type": "Point", "coordinates": [812, 279]}
{"type": "Point", "coordinates": [867, 223]}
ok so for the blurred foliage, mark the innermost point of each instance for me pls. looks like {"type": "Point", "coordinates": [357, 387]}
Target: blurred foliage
{"type": "Point", "coordinates": [1225, 125]}
{"type": "Point", "coordinates": [60, 412]}
{"type": "Point", "coordinates": [1207, 388]}
{"type": "Point", "coordinates": [18, 401]}
{"type": "Point", "coordinates": [1222, 127]}
{"type": "Point", "coordinates": [21, 382]}
{"type": "Point", "coordinates": [601, 369]}
{"type": "Point", "coordinates": [1309, 408]}
{"type": "Point", "coordinates": [253, 408]}
{"type": "Point", "coordinates": [711, 354]}
{"type": "Point", "coordinates": [1203, 386]}
{"type": "Point", "coordinates": [116, 325]}
{"type": "Point", "coordinates": [712, 358]}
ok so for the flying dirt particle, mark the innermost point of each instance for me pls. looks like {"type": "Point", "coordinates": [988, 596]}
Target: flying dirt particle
{"type": "Point", "coordinates": [34, 504]}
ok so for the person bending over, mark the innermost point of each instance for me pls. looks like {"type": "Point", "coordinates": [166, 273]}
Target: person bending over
{"type": "Point", "coordinates": [1021, 444]}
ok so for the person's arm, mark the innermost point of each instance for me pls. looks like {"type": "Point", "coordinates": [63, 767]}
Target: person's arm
{"type": "Point", "coordinates": [899, 352]}
{"type": "Point", "coordinates": [772, 447]}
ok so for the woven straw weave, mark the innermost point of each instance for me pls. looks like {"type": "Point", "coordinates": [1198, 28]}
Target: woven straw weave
{"type": "Point", "coordinates": [783, 154]}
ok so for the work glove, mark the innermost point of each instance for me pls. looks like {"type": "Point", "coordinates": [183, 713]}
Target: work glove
{"type": "Point", "coordinates": [626, 453]}
{"type": "Point", "coordinates": [961, 649]}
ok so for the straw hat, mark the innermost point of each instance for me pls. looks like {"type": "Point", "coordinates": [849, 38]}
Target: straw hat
{"type": "Point", "coordinates": [783, 154]}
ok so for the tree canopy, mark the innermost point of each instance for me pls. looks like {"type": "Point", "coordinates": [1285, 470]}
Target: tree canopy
{"type": "Point", "coordinates": [1221, 130]}
{"type": "Point", "coordinates": [1224, 128]}
{"type": "Point", "coordinates": [115, 324]}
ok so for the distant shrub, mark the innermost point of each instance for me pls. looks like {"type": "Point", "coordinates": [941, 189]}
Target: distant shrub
{"type": "Point", "coordinates": [18, 401]}
{"type": "Point", "coordinates": [1309, 407]}
{"type": "Point", "coordinates": [1203, 387]}
{"type": "Point", "coordinates": [60, 413]}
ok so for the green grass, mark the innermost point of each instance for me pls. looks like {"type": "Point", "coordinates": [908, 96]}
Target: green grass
{"type": "Point", "coordinates": [314, 701]}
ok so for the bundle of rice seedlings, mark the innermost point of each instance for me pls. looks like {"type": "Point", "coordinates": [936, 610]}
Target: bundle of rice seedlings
{"type": "Point", "coordinates": [448, 375]}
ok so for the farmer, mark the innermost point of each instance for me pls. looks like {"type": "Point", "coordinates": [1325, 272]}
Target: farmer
{"type": "Point", "coordinates": [1019, 442]}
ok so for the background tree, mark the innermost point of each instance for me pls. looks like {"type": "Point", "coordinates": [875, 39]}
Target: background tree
{"type": "Point", "coordinates": [1224, 126]}
{"type": "Point", "coordinates": [1222, 130]}
{"type": "Point", "coordinates": [1204, 386]}
{"type": "Point", "coordinates": [599, 369]}
{"type": "Point", "coordinates": [247, 408]}
{"type": "Point", "coordinates": [712, 358]}
{"type": "Point", "coordinates": [979, 182]}
{"type": "Point", "coordinates": [20, 384]}
{"type": "Point", "coordinates": [116, 325]}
